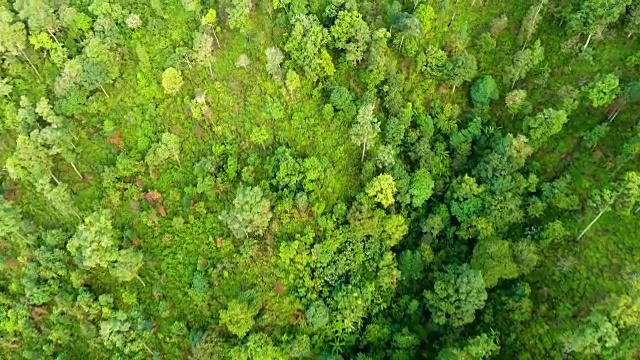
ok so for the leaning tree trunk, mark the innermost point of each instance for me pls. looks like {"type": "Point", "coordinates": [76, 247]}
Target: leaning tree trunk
{"type": "Point", "coordinates": [591, 224]}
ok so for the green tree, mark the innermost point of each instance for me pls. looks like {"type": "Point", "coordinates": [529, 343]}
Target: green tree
{"type": "Point", "coordinates": [382, 188]}
{"type": "Point", "coordinates": [94, 243]}
{"type": "Point", "coordinates": [13, 37]}
{"type": "Point", "coordinates": [421, 187]}
{"type": "Point", "coordinates": [592, 17]}
{"type": "Point", "coordinates": [167, 148]}
{"type": "Point", "coordinates": [458, 292]}
{"type": "Point", "coordinates": [351, 33]}
{"type": "Point", "coordinates": [238, 317]}
{"type": "Point", "coordinates": [494, 258]}
{"type": "Point", "coordinates": [523, 62]}
{"type": "Point", "coordinates": [239, 15]}
{"type": "Point", "coordinates": [544, 125]}
{"type": "Point", "coordinates": [306, 47]}
{"type": "Point", "coordinates": [516, 101]}
{"type": "Point", "coordinates": [603, 91]}
{"type": "Point", "coordinates": [274, 60]}
{"type": "Point", "coordinates": [366, 128]}
{"type": "Point", "coordinates": [460, 68]}
{"type": "Point", "coordinates": [483, 91]}
{"type": "Point", "coordinates": [250, 213]}
{"type": "Point", "coordinates": [633, 21]}
{"type": "Point", "coordinates": [126, 267]}
{"type": "Point", "coordinates": [172, 81]}
{"type": "Point", "coordinates": [594, 334]}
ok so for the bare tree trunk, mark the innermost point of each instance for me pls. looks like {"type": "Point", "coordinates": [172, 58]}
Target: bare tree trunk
{"type": "Point", "coordinates": [148, 349]}
{"type": "Point", "coordinates": [53, 36]}
{"type": "Point", "coordinates": [76, 170]}
{"type": "Point", "coordinates": [216, 37]}
{"type": "Point", "coordinates": [364, 147]}
{"type": "Point", "coordinates": [612, 117]}
{"type": "Point", "coordinates": [55, 179]}
{"type": "Point", "coordinates": [591, 224]}
{"type": "Point", "coordinates": [588, 40]}
{"type": "Point", "coordinates": [102, 88]}
{"type": "Point", "coordinates": [31, 64]}
{"type": "Point", "coordinates": [139, 279]}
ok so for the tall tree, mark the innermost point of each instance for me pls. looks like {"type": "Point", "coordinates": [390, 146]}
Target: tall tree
{"type": "Point", "coordinates": [366, 128]}
{"type": "Point", "coordinates": [592, 17]}
{"type": "Point", "coordinates": [250, 213]}
{"type": "Point", "coordinates": [458, 292]}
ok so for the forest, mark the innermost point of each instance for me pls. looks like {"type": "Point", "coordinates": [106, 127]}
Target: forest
{"type": "Point", "coordinates": [320, 179]}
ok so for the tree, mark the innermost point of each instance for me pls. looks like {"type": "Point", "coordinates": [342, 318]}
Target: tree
{"type": "Point", "coordinates": [29, 161]}
{"type": "Point", "coordinates": [238, 317]}
{"type": "Point", "coordinates": [460, 68]}
{"type": "Point", "coordinates": [383, 189]}
{"type": "Point", "coordinates": [94, 244]}
{"type": "Point", "coordinates": [480, 347]}
{"type": "Point", "coordinates": [530, 23]}
{"type": "Point", "coordinates": [167, 148]}
{"type": "Point", "coordinates": [366, 128]}
{"type": "Point", "coordinates": [306, 46]}
{"type": "Point", "coordinates": [209, 21]}
{"type": "Point", "coordinates": [172, 81]}
{"type": "Point", "coordinates": [604, 90]}
{"type": "Point", "coordinates": [458, 292]}
{"type": "Point", "coordinates": [493, 257]}
{"type": "Point", "coordinates": [13, 37]}
{"type": "Point", "coordinates": [126, 267]}
{"type": "Point", "coordinates": [426, 15]}
{"type": "Point", "coordinates": [351, 33]}
{"type": "Point", "coordinates": [239, 15]}
{"type": "Point", "coordinates": [408, 26]}
{"type": "Point", "coordinates": [421, 187]}
{"type": "Point", "coordinates": [633, 21]}
{"type": "Point", "coordinates": [274, 59]}
{"type": "Point", "coordinates": [410, 264]}
{"type": "Point", "coordinates": [516, 101]}
{"type": "Point", "coordinates": [483, 91]}
{"type": "Point", "coordinates": [523, 62]}
{"type": "Point", "coordinates": [625, 195]}
{"type": "Point", "coordinates": [250, 213]}
{"type": "Point", "coordinates": [594, 333]}
{"type": "Point", "coordinates": [98, 65]}
{"type": "Point", "coordinates": [593, 16]}
{"type": "Point", "coordinates": [544, 125]}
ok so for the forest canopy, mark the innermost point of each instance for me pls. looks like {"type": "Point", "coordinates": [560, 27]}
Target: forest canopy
{"type": "Point", "coordinates": [306, 179]}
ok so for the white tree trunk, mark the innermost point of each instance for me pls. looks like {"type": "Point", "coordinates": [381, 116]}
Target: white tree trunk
{"type": "Point", "coordinates": [588, 41]}
{"type": "Point", "coordinates": [591, 224]}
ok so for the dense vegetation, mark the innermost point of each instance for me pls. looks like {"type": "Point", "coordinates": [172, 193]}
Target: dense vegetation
{"type": "Point", "coordinates": [335, 179]}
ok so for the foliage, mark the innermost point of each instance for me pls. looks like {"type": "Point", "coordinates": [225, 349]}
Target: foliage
{"type": "Point", "coordinates": [301, 179]}
{"type": "Point", "coordinates": [458, 292]}
{"type": "Point", "coordinates": [484, 90]}
{"type": "Point", "coordinates": [250, 213]}
{"type": "Point", "coordinates": [172, 81]}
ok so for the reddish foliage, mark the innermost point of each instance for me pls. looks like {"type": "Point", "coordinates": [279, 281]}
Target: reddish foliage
{"type": "Point", "coordinates": [279, 288]}
{"type": "Point", "coordinates": [161, 210]}
{"type": "Point", "coordinates": [153, 196]}
{"type": "Point", "coordinates": [38, 313]}
{"type": "Point", "coordinates": [219, 241]}
{"type": "Point", "coordinates": [11, 262]}
{"type": "Point", "coordinates": [116, 140]}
